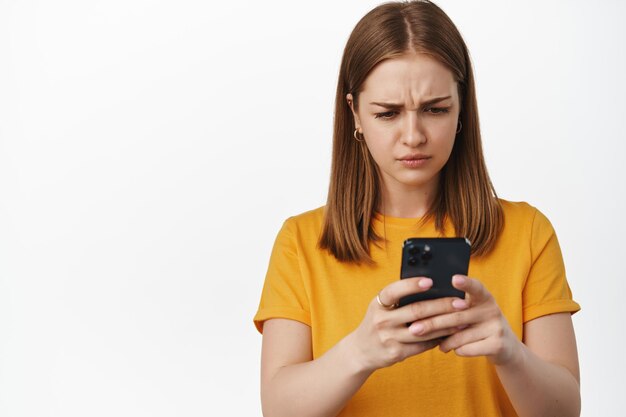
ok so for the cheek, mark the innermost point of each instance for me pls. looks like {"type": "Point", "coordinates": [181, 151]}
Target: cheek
{"type": "Point", "coordinates": [381, 134]}
{"type": "Point", "coordinates": [442, 126]}
{"type": "Point", "coordinates": [380, 139]}
{"type": "Point", "coordinates": [376, 128]}
{"type": "Point", "coordinates": [376, 150]}
{"type": "Point", "coordinates": [442, 135]}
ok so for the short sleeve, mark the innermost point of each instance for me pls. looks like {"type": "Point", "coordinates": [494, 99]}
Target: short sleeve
{"type": "Point", "coordinates": [546, 290]}
{"type": "Point", "coordinates": [284, 294]}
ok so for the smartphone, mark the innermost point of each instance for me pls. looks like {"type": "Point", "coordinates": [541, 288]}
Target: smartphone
{"type": "Point", "coordinates": [438, 258]}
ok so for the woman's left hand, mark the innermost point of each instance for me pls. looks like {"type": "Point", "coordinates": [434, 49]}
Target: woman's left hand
{"type": "Point", "coordinates": [484, 331]}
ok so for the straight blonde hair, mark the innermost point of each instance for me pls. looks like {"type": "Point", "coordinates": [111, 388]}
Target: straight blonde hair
{"type": "Point", "coordinates": [466, 195]}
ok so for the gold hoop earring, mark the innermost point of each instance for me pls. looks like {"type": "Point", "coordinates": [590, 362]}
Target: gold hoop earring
{"type": "Point", "coordinates": [458, 130]}
{"type": "Point", "coordinates": [356, 135]}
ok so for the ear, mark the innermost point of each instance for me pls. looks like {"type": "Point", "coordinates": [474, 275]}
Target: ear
{"type": "Point", "coordinates": [357, 121]}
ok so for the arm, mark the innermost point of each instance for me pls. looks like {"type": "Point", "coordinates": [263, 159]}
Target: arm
{"type": "Point", "coordinates": [295, 384]}
{"type": "Point", "coordinates": [292, 383]}
{"type": "Point", "coordinates": [544, 379]}
{"type": "Point", "coordinates": [540, 375]}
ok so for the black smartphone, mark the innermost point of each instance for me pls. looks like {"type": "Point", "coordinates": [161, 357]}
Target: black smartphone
{"type": "Point", "coordinates": [438, 258]}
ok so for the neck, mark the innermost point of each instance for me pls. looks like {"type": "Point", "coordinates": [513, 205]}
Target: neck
{"type": "Point", "coordinates": [399, 200]}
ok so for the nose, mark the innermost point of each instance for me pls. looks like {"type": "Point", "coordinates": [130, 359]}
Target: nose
{"type": "Point", "coordinates": [413, 133]}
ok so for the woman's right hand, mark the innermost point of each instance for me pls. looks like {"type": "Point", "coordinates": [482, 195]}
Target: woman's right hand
{"type": "Point", "coordinates": [383, 338]}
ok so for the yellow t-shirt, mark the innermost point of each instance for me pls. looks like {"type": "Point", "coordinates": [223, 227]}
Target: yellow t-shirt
{"type": "Point", "coordinates": [524, 272]}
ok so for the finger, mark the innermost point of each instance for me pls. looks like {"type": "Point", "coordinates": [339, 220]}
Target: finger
{"type": "Point", "coordinates": [464, 337]}
{"type": "Point", "coordinates": [471, 286]}
{"type": "Point", "coordinates": [478, 348]}
{"type": "Point", "coordinates": [413, 349]}
{"type": "Point", "coordinates": [445, 321]}
{"type": "Point", "coordinates": [403, 335]}
{"type": "Point", "coordinates": [420, 310]}
{"type": "Point", "coordinates": [392, 293]}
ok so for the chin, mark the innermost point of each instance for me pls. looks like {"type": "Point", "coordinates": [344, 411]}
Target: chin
{"type": "Point", "coordinates": [415, 181]}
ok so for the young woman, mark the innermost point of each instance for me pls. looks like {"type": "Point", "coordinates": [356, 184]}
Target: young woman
{"type": "Point", "coordinates": [407, 162]}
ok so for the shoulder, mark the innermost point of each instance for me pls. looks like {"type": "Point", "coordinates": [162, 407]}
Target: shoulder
{"type": "Point", "coordinates": [307, 219]}
{"type": "Point", "coordinates": [307, 225]}
{"type": "Point", "coordinates": [517, 209]}
{"type": "Point", "coordinates": [522, 219]}
{"type": "Point", "coordinates": [522, 211]}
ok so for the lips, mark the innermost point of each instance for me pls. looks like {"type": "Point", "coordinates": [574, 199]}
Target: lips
{"type": "Point", "coordinates": [414, 157]}
{"type": "Point", "coordinates": [414, 161]}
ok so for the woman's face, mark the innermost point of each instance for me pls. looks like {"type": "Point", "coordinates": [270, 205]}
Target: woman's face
{"type": "Point", "coordinates": [408, 112]}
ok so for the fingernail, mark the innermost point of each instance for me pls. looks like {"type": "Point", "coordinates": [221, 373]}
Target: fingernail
{"type": "Point", "coordinates": [425, 283]}
{"type": "Point", "coordinates": [459, 304]}
{"type": "Point", "coordinates": [458, 279]}
{"type": "Point", "coordinates": [416, 328]}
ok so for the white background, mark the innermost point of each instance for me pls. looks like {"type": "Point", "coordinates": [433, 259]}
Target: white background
{"type": "Point", "coordinates": [150, 150]}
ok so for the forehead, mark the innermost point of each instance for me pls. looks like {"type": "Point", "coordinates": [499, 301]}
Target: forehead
{"type": "Point", "coordinates": [409, 78]}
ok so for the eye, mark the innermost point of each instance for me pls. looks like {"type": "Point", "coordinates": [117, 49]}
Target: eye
{"type": "Point", "coordinates": [386, 115]}
{"type": "Point", "coordinates": [437, 110]}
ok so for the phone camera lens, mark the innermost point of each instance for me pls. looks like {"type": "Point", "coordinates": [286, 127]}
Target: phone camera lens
{"type": "Point", "coordinates": [412, 260]}
{"type": "Point", "coordinates": [426, 256]}
{"type": "Point", "coordinates": [413, 250]}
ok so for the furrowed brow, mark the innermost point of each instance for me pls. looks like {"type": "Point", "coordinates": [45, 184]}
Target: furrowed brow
{"type": "Point", "coordinates": [398, 106]}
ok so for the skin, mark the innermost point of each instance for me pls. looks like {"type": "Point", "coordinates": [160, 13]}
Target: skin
{"type": "Point", "coordinates": [414, 125]}
{"type": "Point", "coordinates": [540, 374]}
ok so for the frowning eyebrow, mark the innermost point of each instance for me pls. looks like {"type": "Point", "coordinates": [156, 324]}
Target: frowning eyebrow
{"type": "Point", "coordinates": [398, 106]}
